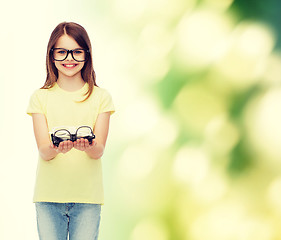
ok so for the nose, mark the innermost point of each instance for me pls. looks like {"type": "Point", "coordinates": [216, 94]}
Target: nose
{"type": "Point", "coordinates": [69, 56]}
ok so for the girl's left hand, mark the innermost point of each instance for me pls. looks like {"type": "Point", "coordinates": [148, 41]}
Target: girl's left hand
{"type": "Point", "coordinates": [83, 144]}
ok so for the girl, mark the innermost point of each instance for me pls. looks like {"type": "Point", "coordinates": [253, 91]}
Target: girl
{"type": "Point", "coordinates": [68, 191]}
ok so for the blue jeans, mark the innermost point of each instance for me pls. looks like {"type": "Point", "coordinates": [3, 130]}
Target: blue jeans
{"type": "Point", "coordinates": [55, 221]}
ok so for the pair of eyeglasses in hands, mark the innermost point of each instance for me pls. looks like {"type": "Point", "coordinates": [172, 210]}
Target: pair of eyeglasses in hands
{"type": "Point", "coordinates": [62, 135]}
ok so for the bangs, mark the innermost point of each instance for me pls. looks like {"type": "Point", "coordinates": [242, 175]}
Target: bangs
{"type": "Point", "coordinates": [79, 34]}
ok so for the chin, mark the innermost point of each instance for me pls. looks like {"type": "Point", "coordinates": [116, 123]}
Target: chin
{"type": "Point", "coordinates": [70, 73]}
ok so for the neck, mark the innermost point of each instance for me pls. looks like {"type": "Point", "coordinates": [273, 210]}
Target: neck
{"type": "Point", "coordinates": [71, 84]}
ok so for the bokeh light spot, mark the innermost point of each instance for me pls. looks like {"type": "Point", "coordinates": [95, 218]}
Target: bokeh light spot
{"type": "Point", "coordinates": [220, 223]}
{"type": "Point", "coordinates": [137, 161]}
{"type": "Point", "coordinates": [150, 229]}
{"type": "Point", "coordinates": [155, 44]}
{"type": "Point", "coordinates": [263, 120]}
{"type": "Point", "coordinates": [274, 195]}
{"type": "Point", "coordinates": [211, 189]}
{"type": "Point", "coordinates": [164, 134]}
{"type": "Point", "coordinates": [140, 116]}
{"type": "Point", "coordinates": [221, 135]}
{"type": "Point", "coordinates": [218, 4]}
{"type": "Point", "coordinates": [197, 105]}
{"type": "Point", "coordinates": [191, 165]}
{"type": "Point", "coordinates": [272, 73]}
{"type": "Point", "coordinates": [200, 37]}
{"type": "Point", "coordinates": [243, 60]}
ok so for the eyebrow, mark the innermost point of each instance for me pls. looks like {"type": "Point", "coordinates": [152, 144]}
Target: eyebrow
{"type": "Point", "coordinates": [68, 49]}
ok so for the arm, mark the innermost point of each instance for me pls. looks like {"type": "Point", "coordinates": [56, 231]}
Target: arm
{"type": "Point", "coordinates": [45, 147]}
{"type": "Point", "coordinates": [96, 149]}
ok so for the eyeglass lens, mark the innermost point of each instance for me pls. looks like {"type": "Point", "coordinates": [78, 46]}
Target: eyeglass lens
{"type": "Point", "coordinates": [83, 132]}
{"type": "Point", "coordinates": [63, 134]}
{"type": "Point", "coordinates": [61, 54]}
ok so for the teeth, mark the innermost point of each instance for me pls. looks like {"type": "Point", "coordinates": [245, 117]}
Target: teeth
{"type": "Point", "coordinates": [69, 65]}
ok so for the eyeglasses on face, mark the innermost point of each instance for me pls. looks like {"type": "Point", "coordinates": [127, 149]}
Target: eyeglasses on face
{"type": "Point", "coordinates": [62, 135]}
{"type": "Point", "coordinates": [78, 54]}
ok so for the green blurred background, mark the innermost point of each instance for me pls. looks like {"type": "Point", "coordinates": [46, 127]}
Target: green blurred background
{"type": "Point", "coordinates": [200, 152]}
{"type": "Point", "coordinates": [195, 144]}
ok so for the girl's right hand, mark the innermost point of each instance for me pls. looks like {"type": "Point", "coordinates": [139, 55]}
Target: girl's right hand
{"type": "Point", "coordinates": [63, 147]}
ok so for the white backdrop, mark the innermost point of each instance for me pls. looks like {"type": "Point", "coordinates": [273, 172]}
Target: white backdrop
{"type": "Point", "coordinates": [25, 30]}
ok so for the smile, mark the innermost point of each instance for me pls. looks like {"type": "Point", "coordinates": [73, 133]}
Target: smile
{"type": "Point", "coordinates": [69, 65]}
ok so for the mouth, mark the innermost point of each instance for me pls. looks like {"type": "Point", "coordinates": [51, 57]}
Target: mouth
{"type": "Point", "coordinates": [69, 66]}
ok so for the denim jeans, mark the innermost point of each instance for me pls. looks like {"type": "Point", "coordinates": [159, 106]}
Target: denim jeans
{"type": "Point", "coordinates": [55, 221]}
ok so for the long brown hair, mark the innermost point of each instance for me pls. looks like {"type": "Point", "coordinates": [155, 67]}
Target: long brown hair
{"type": "Point", "coordinates": [79, 34]}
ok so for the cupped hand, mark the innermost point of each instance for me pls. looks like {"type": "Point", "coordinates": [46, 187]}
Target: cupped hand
{"type": "Point", "coordinates": [83, 144]}
{"type": "Point", "coordinates": [63, 147]}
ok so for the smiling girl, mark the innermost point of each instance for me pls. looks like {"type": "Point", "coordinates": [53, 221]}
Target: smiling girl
{"type": "Point", "coordinates": [69, 191]}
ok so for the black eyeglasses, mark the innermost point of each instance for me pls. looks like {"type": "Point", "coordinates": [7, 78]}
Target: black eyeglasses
{"type": "Point", "coordinates": [78, 54]}
{"type": "Point", "coordinates": [64, 135]}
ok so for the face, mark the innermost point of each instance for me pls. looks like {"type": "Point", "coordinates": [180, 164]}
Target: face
{"type": "Point", "coordinates": [68, 67]}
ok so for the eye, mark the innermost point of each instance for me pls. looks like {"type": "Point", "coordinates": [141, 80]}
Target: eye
{"type": "Point", "coordinates": [78, 51]}
{"type": "Point", "coordinates": [61, 52]}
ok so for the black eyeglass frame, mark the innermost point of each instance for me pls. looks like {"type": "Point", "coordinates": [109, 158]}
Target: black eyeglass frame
{"type": "Point", "coordinates": [73, 137]}
{"type": "Point", "coordinates": [87, 52]}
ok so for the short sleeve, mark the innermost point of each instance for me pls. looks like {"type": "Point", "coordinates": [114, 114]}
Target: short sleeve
{"type": "Point", "coordinates": [106, 104]}
{"type": "Point", "coordinates": [35, 103]}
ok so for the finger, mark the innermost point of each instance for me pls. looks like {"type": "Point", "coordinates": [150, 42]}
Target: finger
{"type": "Point", "coordinates": [52, 146]}
{"type": "Point", "coordinates": [94, 143]}
{"type": "Point", "coordinates": [78, 143]}
{"type": "Point", "coordinates": [69, 145]}
{"type": "Point", "coordinates": [64, 145]}
{"type": "Point", "coordinates": [65, 148]}
{"type": "Point", "coordinates": [82, 144]}
{"type": "Point", "coordinates": [60, 147]}
{"type": "Point", "coordinates": [86, 142]}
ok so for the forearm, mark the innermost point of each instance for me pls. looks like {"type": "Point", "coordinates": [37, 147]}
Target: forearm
{"type": "Point", "coordinates": [47, 152]}
{"type": "Point", "coordinates": [95, 151]}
